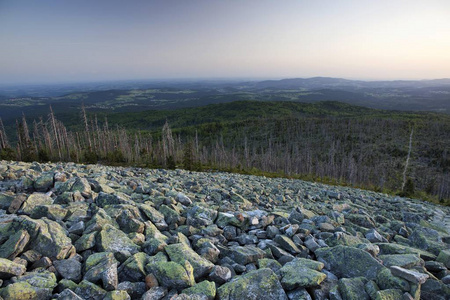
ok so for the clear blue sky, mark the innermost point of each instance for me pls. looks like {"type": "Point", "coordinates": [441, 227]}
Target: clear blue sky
{"type": "Point", "coordinates": [87, 40]}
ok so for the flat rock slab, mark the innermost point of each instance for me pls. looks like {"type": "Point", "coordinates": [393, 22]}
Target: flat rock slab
{"type": "Point", "coordinates": [411, 276]}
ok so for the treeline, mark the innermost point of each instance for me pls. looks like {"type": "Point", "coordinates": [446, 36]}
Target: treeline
{"type": "Point", "coordinates": [368, 152]}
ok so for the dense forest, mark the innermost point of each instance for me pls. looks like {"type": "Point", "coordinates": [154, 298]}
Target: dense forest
{"type": "Point", "coordinates": [391, 151]}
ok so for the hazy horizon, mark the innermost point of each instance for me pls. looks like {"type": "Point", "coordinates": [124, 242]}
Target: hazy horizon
{"type": "Point", "coordinates": [48, 42]}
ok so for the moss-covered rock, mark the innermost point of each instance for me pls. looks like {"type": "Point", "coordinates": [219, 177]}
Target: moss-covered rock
{"type": "Point", "coordinates": [86, 241]}
{"type": "Point", "coordinates": [386, 280]}
{"type": "Point", "coordinates": [173, 275]}
{"type": "Point", "coordinates": [353, 288]}
{"type": "Point", "coordinates": [9, 269]}
{"type": "Point", "coordinates": [181, 252]}
{"type": "Point", "coordinates": [269, 263]}
{"type": "Point", "coordinates": [259, 284]}
{"type": "Point", "coordinates": [205, 288]}
{"type": "Point", "coordinates": [244, 255]}
{"type": "Point", "coordinates": [117, 295]}
{"type": "Point", "coordinates": [19, 291]}
{"type": "Point", "coordinates": [89, 290]}
{"type": "Point", "coordinates": [301, 273]}
{"type": "Point", "coordinates": [444, 257]}
{"type": "Point", "coordinates": [102, 267]}
{"type": "Point", "coordinates": [113, 240]}
{"type": "Point", "coordinates": [389, 294]}
{"type": "Point", "coordinates": [402, 260]}
{"type": "Point", "coordinates": [133, 269]}
{"type": "Point", "coordinates": [349, 262]}
{"type": "Point", "coordinates": [15, 244]}
{"type": "Point", "coordinates": [392, 248]}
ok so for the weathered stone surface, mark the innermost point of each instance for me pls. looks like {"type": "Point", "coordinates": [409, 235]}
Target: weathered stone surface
{"type": "Point", "coordinates": [244, 255]}
{"type": "Point", "coordinates": [353, 288]}
{"type": "Point", "coordinates": [173, 275]}
{"type": "Point", "coordinates": [205, 288]}
{"type": "Point", "coordinates": [181, 252]}
{"type": "Point", "coordinates": [411, 276]}
{"type": "Point", "coordinates": [402, 260]}
{"type": "Point", "coordinates": [113, 240]}
{"type": "Point", "coordinates": [349, 262]}
{"type": "Point", "coordinates": [69, 269]}
{"type": "Point", "coordinates": [301, 273]}
{"type": "Point", "coordinates": [9, 269]}
{"type": "Point", "coordinates": [152, 234]}
{"type": "Point", "coordinates": [260, 284]}
{"type": "Point", "coordinates": [15, 244]}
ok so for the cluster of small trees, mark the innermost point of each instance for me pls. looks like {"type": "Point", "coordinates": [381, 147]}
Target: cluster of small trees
{"type": "Point", "coordinates": [361, 152]}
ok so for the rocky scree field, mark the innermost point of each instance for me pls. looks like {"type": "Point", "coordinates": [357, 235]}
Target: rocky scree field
{"type": "Point", "coordinates": [72, 231]}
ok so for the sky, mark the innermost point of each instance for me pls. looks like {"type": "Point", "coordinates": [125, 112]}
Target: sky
{"type": "Point", "coordinates": [53, 41]}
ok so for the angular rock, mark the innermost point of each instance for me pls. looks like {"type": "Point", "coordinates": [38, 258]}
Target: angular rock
{"type": "Point", "coordinates": [353, 288]}
{"type": "Point", "coordinates": [205, 288]}
{"type": "Point", "coordinates": [69, 269]}
{"type": "Point", "coordinates": [14, 245]}
{"type": "Point", "coordinates": [244, 255]}
{"type": "Point", "coordinates": [301, 273]}
{"type": "Point", "coordinates": [260, 284]}
{"type": "Point", "coordinates": [173, 275]}
{"type": "Point", "coordinates": [9, 269]}
{"type": "Point", "coordinates": [411, 276]}
{"type": "Point", "coordinates": [349, 262]}
{"type": "Point", "coordinates": [113, 240]}
{"type": "Point", "coordinates": [181, 252]}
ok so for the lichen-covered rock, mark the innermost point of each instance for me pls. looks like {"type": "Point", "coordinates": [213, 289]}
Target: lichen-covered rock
{"type": "Point", "coordinates": [15, 244]}
{"type": "Point", "coordinates": [349, 262]}
{"type": "Point", "coordinates": [113, 240]}
{"type": "Point", "coordinates": [386, 280]}
{"type": "Point", "coordinates": [444, 257]}
{"type": "Point", "coordinates": [204, 288]}
{"type": "Point", "coordinates": [102, 267]}
{"type": "Point", "coordinates": [133, 269]}
{"type": "Point", "coordinates": [88, 290]}
{"type": "Point", "coordinates": [402, 260]}
{"type": "Point", "coordinates": [352, 288]}
{"type": "Point", "coordinates": [260, 284]}
{"type": "Point", "coordinates": [301, 273]}
{"type": "Point", "coordinates": [244, 255]}
{"type": "Point", "coordinates": [35, 200]}
{"type": "Point", "coordinates": [199, 216]}
{"type": "Point", "coordinates": [181, 252]}
{"type": "Point", "coordinates": [389, 294]}
{"type": "Point", "coordinates": [173, 275]}
{"type": "Point", "coordinates": [34, 285]}
{"type": "Point", "coordinates": [9, 269]}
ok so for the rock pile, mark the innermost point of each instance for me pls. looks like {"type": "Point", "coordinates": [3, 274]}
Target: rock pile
{"type": "Point", "coordinates": [72, 231]}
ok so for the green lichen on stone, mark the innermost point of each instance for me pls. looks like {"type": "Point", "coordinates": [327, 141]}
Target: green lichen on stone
{"type": "Point", "coordinates": [259, 284]}
{"type": "Point", "coordinates": [349, 262]}
{"type": "Point", "coordinates": [205, 288]}
{"type": "Point", "coordinates": [269, 263]}
{"type": "Point", "coordinates": [353, 288]}
{"type": "Point", "coordinates": [401, 260]}
{"type": "Point", "coordinates": [181, 252]}
{"type": "Point", "coordinates": [117, 295]}
{"type": "Point", "coordinates": [19, 291]}
{"type": "Point", "coordinates": [389, 294]}
{"type": "Point", "coordinates": [173, 275]}
{"type": "Point", "coordinates": [386, 280]}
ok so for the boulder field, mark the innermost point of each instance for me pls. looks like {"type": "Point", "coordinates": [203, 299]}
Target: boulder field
{"type": "Point", "coordinates": [71, 231]}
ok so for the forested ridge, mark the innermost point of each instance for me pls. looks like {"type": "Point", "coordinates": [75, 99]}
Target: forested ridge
{"type": "Point", "coordinates": [330, 142]}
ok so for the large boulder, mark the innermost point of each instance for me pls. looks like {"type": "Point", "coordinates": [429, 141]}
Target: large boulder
{"type": "Point", "coordinates": [349, 262]}
{"type": "Point", "coordinates": [261, 284]}
{"type": "Point", "coordinates": [301, 273]}
{"type": "Point", "coordinates": [181, 252]}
